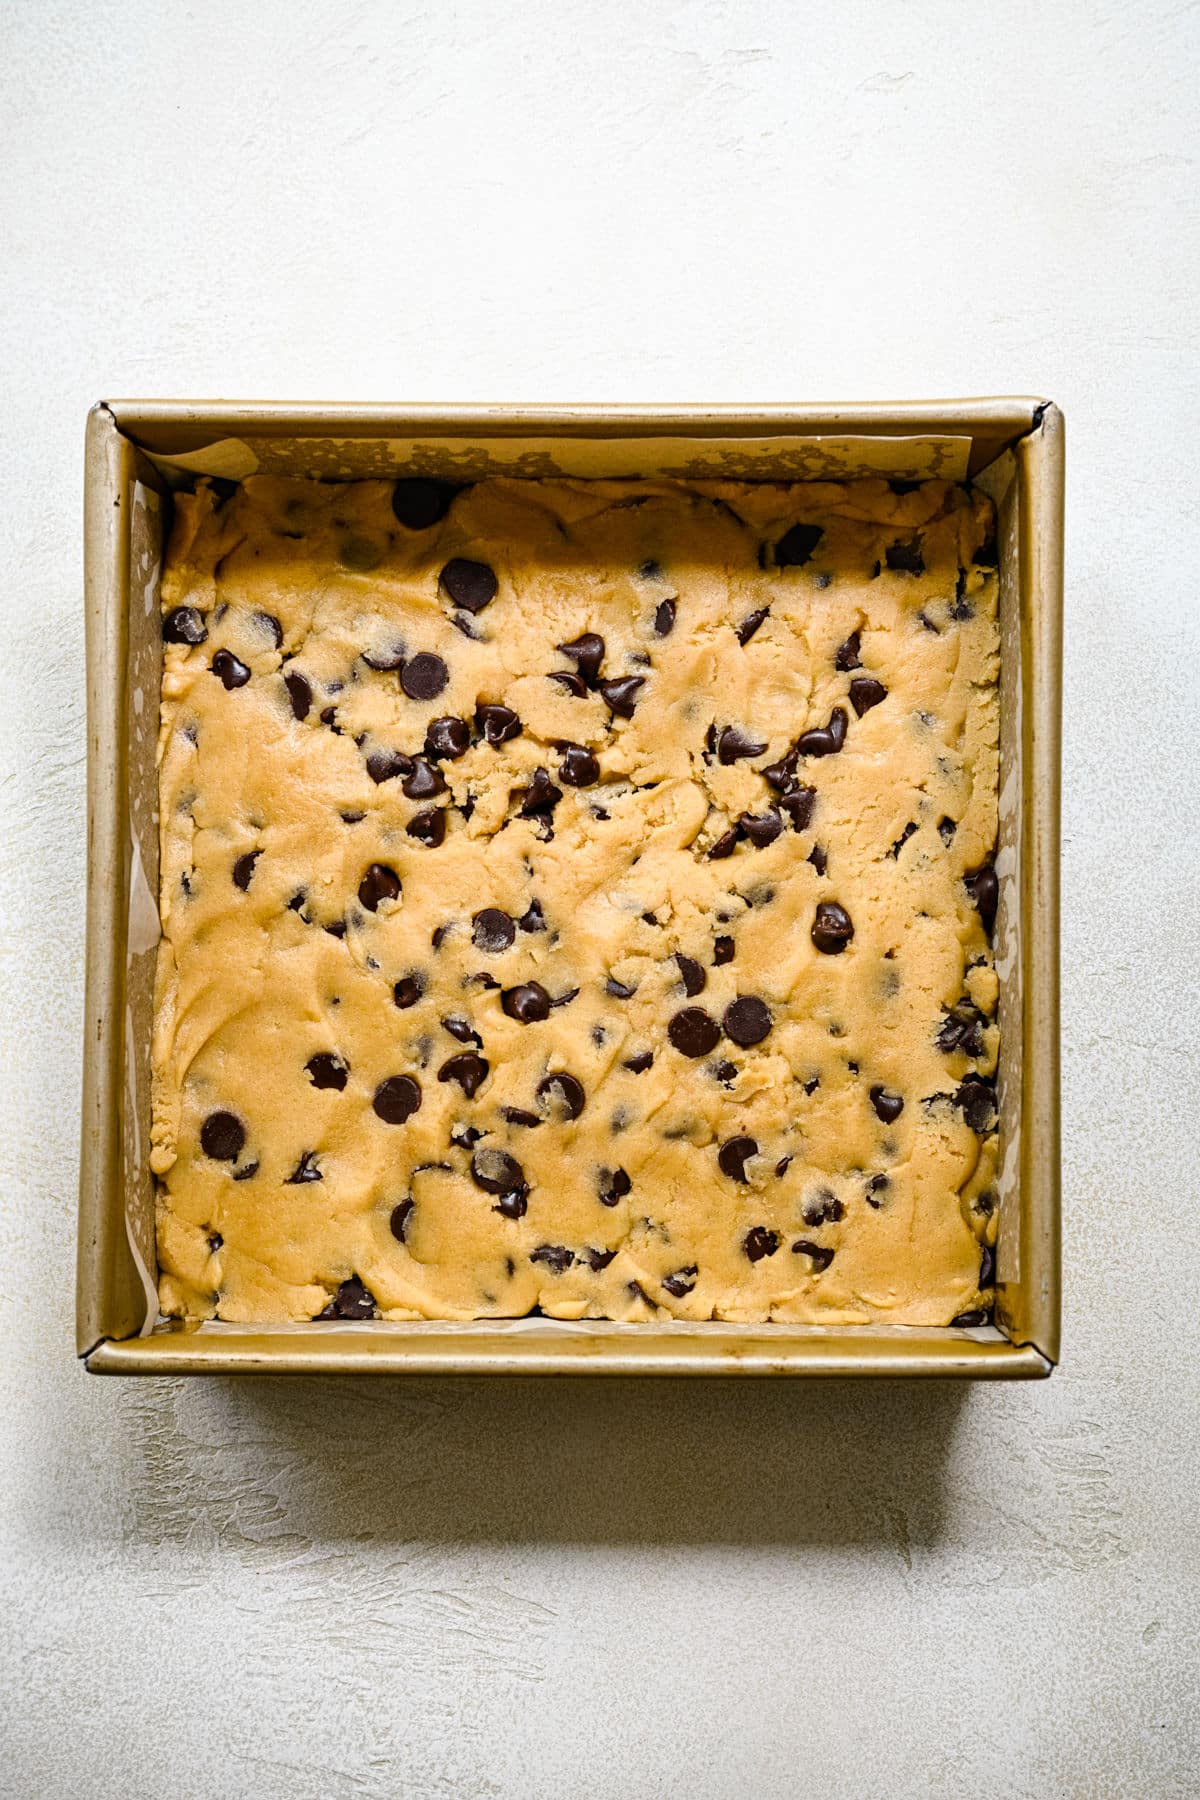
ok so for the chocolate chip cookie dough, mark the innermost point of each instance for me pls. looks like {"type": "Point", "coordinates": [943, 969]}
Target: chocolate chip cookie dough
{"type": "Point", "coordinates": [577, 895]}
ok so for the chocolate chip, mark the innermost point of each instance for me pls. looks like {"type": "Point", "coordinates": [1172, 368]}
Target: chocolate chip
{"type": "Point", "coordinates": [471, 585]}
{"type": "Point", "coordinates": [761, 828]}
{"type": "Point", "coordinates": [596, 1259]}
{"type": "Point", "coordinates": [578, 767]}
{"type": "Point", "coordinates": [385, 765]}
{"type": "Point", "coordinates": [824, 740]}
{"type": "Point", "coordinates": [326, 1070]}
{"type": "Point", "coordinates": [747, 1020]}
{"type": "Point", "coordinates": [877, 1186]}
{"type": "Point", "coordinates": [215, 1241]}
{"type": "Point", "coordinates": [527, 1003]}
{"type": "Point", "coordinates": [496, 1172]}
{"type": "Point", "coordinates": [575, 685]}
{"type": "Point", "coordinates": [905, 559]}
{"type": "Point", "coordinates": [492, 930]}
{"type": "Point", "coordinates": [692, 975]}
{"type": "Point", "coordinates": [946, 830]}
{"type": "Point", "coordinates": [385, 660]}
{"type": "Point", "coordinates": [796, 546]}
{"type": "Point", "coordinates": [419, 502]}
{"type": "Point", "coordinates": [463, 1030]}
{"type": "Point", "coordinates": [467, 1069]}
{"type": "Point", "coordinates": [962, 1029]}
{"type": "Point", "coordinates": [555, 1257]}
{"type": "Point", "coordinates": [424, 780]}
{"type": "Point", "coordinates": [664, 618]}
{"type": "Point", "coordinates": [439, 935]}
{"type": "Point", "coordinates": [978, 1316]}
{"type": "Point", "coordinates": [637, 1065]}
{"type": "Point", "coordinates": [448, 737]}
{"type": "Point", "coordinates": [984, 890]}
{"type": "Point", "coordinates": [516, 1115]}
{"type": "Point", "coordinates": [243, 869]}
{"type": "Point", "coordinates": [820, 1254]}
{"type": "Point", "coordinates": [750, 624]}
{"type": "Point", "coordinates": [424, 676]}
{"type": "Point", "coordinates": [733, 744]}
{"type": "Point", "coordinates": [846, 656]}
{"type": "Point", "coordinates": [466, 1137]}
{"type": "Point", "coordinates": [987, 556]}
{"type": "Point", "coordinates": [725, 845]}
{"type": "Point", "coordinates": [397, 1099]}
{"type": "Point", "coordinates": [587, 653]}
{"type": "Point", "coordinates": [799, 807]}
{"type": "Point", "coordinates": [327, 717]}
{"type": "Point", "coordinates": [352, 1301]}
{"type": "Point", "coordinates": [232, 671]}
{"type": "Point", "coordinates": [497, 724]}
{"type": "Point", "coordinates": [694, 1032]}
{"type": "Point", "coordinates": [428, 827]}
{"type": "Point", "coordinates": [987, 1267]}
{"type": "Point", "coordinates": [532, 918]}
{"type": "Point", "coordinates": [401, 1214]}
{"type": "Point", "coordinates": [680, 1284]}
{"type": "Point", "coordinates": [900, 842]}
{"type": "Point", "coordinates": [299, 693]}
{"type": "Point", "coordinates": [408, 990]}
{"type": "Point", "coordinates": [222, 1136]}
{"type": "Point", "coordinates": [564, 999]}
{"type": "Point", "coordinates": [866, 692]}
{"type": "Point", "coordinates": [184, 626]}
{"type": "Point", "coordinates": [541, 797]}
{"type": "Point", "coordinates": [563, 1094]}
{"type": "Point", "coordinates": [819, 858]}
{"type": "Point", "coordinates": [722, 951]}
{"type": "Point", "coordinates": [306, 1170]}
{"type": "Point", "coordinates": [978, 1103]}
{"type": "Point", "coordinates": [887, 1105]}
{"type": "Point", "coordinates": [734, 1155]}
{"type": "Point", "coordinates": [824, 1209]}
{"type": "Point", "coordinates": [832, 928]}
{"type": "Point", "coordinates": [613, 1185]}
{"type": "Point", "coordinates": [759, 1242]}
{"type": "Point", "coordinates": [378, 884]}
{"type": "Point", "coordinates": [621, 696]}
{"type": "Point", "coordinates": [514, 1205]}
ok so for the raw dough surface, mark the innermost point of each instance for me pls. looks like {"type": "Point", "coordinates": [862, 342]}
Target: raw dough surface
{"type": "Point", "coordinates": [356, 1105]}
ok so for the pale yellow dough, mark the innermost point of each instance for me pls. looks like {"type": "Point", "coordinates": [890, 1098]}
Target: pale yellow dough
{"type": "Point", "coordinates": [250, 987]}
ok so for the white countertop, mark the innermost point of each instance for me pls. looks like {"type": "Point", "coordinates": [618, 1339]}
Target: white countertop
{"type": "Point", "coordinates": [540, 1590]}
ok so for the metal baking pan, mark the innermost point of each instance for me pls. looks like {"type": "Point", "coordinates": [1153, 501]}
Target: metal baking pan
{"type": "Point", "coordinates": [138, 450]}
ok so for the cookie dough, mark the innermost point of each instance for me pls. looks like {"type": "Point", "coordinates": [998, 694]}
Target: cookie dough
{"type": "Point", "coordinates": [577, 896]}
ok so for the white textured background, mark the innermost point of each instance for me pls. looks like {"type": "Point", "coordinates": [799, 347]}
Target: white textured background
{"type": "Point", "coordinates": [540, 1590]}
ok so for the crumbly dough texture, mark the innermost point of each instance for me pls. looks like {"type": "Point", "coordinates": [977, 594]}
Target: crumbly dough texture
{"type": "Point", "coordinates": [302, 918]}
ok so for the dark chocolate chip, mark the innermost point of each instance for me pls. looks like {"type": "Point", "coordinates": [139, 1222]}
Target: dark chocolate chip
{"type": "Point", "coordinates": [419, 502]}
{"type": "Point", "coordinates": [448, 737]}
{"type": "Point", "coordinates": [424, 676]}
{"type": "Point", "coordinates": [327, 717]}
{"type": "Point", "coordinates": [799, 807]}
{"type": "Point", "coordinates": [781, 775]}
{"type": "Point", "coordinates": [306, 1170]}
{"type": "Point", "coordinates": [725, 845]}
{"type": "Point", "coordinates": [462, 623]}
{"type": "Point", "coordinates": [428, 827]}
{"type": "Point", "coordinates": [977, 1316]}
{"type": "Point", "coordinates": [401, 1214]}
{"type": "Point", "coordinates": [876, 1188]}
{"type": "Point", "coordinates": [987, 556]}
{"type": "Point", "coordinates": [846, 656]}
{"type": "Point", "coordinates": [385, 765]}
{"type": "Point", "coordinates": [722, 951]}
{"type": "Point", "coordinates": [467, 1069]}
{"type": "Point", "coordinates": [987, 1267]}
{"type": "Point", "coordinates": [326, 1070]}
{"type": "Point", "coordinates": [532, 918]}
{"type": "Point", "coordinates": [761, 828]}
{"type": "Point", "coordinates": [819, 858]}
{"type": "Point", "coordinates": [637, 1065]}
{"type": "Point", "coordinates": [759, 1242]}
{"type": "Point", "coordinates": [621, 695]}
{"type": "Point", "coordinates": [541, 797]}
{"type": "Point", "coordinates": [527, 1003]}
{"type": "Point", "coordinates": [513, 1205]}
{"type": "Point", "coordinates": [578, 767]}
{"type": "Point", "coordinates": [905, 559]}
{"type": "Point", "coordinates": [723, 1071]}
{"type": "Point", "coordinates": [215, 1241]}
{"type": "Point", "coordinates": [497, 723]}
{"type": "Point", "coordinates": [222, 1136]}
{"type": "Point", "coordinates": [613, 1185]}
{"type": "Point", "coordinates": [243, 869]}
{"type": "Point", "coordinates": [733, 744]}
{"type": "Point", "coordinates": [734, 1155]}
{"type": "Point", "coordinates": [296, 904]}
{"type": "Point", "coordinates": [694, 1032]}
{"type": "Point", "coordinates": [978, 1103]}
{"type": "Point", "coordinates": [984, 890]}
{"type": "Point", "coordinates": [299, 693]}
{"type": "Point", "coordinates": [378, 884]}
{"type": "Point", "coordinates": [397, 1099]}
{"type": "Point", "coordinates": [747, 1020]}
{"type": "Point", "coordinates": [565, 999]}
{"type": "Point", "coordinates": [824, 740]}
{"type": "Point", "coordinates": [386, 659]}
{"type": "Point", "coordinates": [471, 585]}
{"type": "Point", "coordinates": [492, 930]}
{"type": "Point", "coordinates": [353, 1300]}
{"type": "Point", "coordinates": [824, 1208]}
{"type": "Point", "coordinates": [821, 1255]}
{"type": "Point", "coordinates": [516, 1115]}
{"type": "Point", "coordinates": [680, 1284]}
{"type": "Point", "coordinates": [232, 672]}
{"type": "Point", "coordinates": [900, 842]}
{"type": "Point", "coordinates": [439, 935]}
{"type": "Point", "coordinates": [496, 1172]}
{"type": "Point", "coordinates": [750, 624]}
{"type": "Point", "coordinates": [463, 1030]}
{"type": "Point", "coordinates": [184, 626]}
{"type": "Point", "coordinates": [664, 618]}
{"type": "Point", "coordinates": [902, 487]}
{"type": "Point", "coordinates": [946, 830]}
{"type": "Point", "coordinates": [245, 1174]}
{"type": "Point", "coordinates": [796, 546]}
{"type": "Point", "coordinates": [832, 928]}
{"type": "Point", "coordinates": [424, 780]}
{"type": "Point", "coordinates": [562, 1094]}
{"type": "Point", "coordinates": [575, 685]}
{"type": "Point", "coordinates": [692, 976]}
{"type": "Point", "coordinates": [962, 1029]}
{"type": "Point", "coordinates": [466, 1137]}
{"type": "Point", "coordinates": [587, 653]}
{"type": "Point", "coordinates": [408, 990]}
{"type": "Point", "coordinates": [866, 692]}
{"type": "Point", "coordinates": [556, 1257]}
{"type": "Point", "coordinates": [888, 1105]}
{"type": "Point", "coordinates": [596, 1259]}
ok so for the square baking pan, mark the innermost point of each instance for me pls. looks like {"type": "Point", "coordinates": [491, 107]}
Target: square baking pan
{"type": "Point", "coordinates": [138, 451]}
